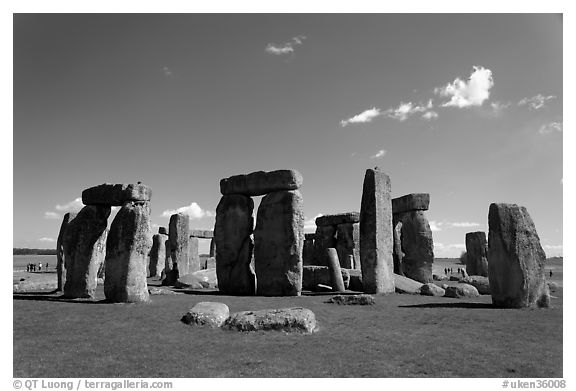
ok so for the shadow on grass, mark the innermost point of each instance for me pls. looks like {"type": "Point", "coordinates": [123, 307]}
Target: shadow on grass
{"type": "Point", "coordinates": [44, 296]}
{"type": "Point", "coordinates": [451, 305]}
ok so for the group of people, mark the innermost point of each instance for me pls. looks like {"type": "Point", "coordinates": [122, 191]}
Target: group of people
{"type": "Point", "coordinates": [32, 267]}
{"type": "Point", "coordinates": [449, 270]}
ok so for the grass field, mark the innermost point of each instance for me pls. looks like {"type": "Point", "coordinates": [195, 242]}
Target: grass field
{"type": "Point", "coordinates": [400, 336]}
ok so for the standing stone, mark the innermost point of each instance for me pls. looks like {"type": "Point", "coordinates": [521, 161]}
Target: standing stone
{"type": "Point", "coordinates": [193, 256]}
{"type": "Point", "coordinates": [212, 248]}
{"type": "Point", "coordinates": [398, 253]}
{"type": "Point", "coordinates": [279, 237]}
{"type": "Point", "coordinates": [337, 282]}
{"type": "Point", "coordinates": [348, 244]}
{"type": "Point", "coordinates": [417, 246]}
{"type": "Point", "coordinates": [170, 275]}
{"type": "Point", "coordinates": [325, 238]}
{"type": "Point", "coordinates": [84, 250]}
{"type": "Point", "coordinates": [308, 249]}
{"type": "Point", "coordinates": [232, 230]}
{"type": "Point", "coordinates": [260, 182]}
{"type": "Point", "coordinates": [60, 266]}
{"type": "Point", "coordinates": [129, 243]}
{"type": "Point", "coordinates": [157, 255]}
{"type": "Point", "coordinates": [179, 235]}
{"type": "Point", "coordinates": [476, 254]}
{"type": "Point", "coordinates": [515, 259]}
{"type": "Point", "coordinates": [376, 241]}
{"type": "Point", "coordinates": [163, 231]}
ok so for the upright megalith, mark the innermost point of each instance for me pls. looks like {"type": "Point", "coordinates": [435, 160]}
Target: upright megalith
{"type": "Point", "coordinates": [193, 245]}
{"type": "Point", "coordinates": [308, 249]}
{"type": "Point", "coordinates": [261, 182]}
{"type": "Point", "coordinates": [60, 264]}
{"type": "Point", "coordinates": [84, 248]}
{"type": "Point", "coordinates": [477, 254]}
{"type": "Point", "coordinates": [232, 230]}
{"type": "Point", "coordinates": [157, 255]}
{"type": "Point", "coordinates": [127, 248]}
{"type": "Point", "coordinates": [414, 246]}
{"type": "Point", "coordinates": [376, 241]}
{"type": "Point", "coordinates": [515, 259]}
{"type": "Point", "coordinates": [179, 236]}
{"type": "Point", "coordinates": [348, 245]}
{"type": "Point", "coordinates": [278, 240]}
{"type": "Point", "coordinates": [337, 282]}
{"type": "Point", "coordinates": [325, 237]}
{"type": "Point", "coordinates": [340, 231]}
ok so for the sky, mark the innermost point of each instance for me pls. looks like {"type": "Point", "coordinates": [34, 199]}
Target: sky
{"type": "Point", "coordinates": [465, 107]}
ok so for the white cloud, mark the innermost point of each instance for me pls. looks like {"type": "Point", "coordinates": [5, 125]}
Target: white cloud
{"type": "Point", "coordinates": [535, 102]}
{"type": "Point", "coordinates": [194, 211]}
{"type": "Point", "coordinates": [550, 128]}
{"type": "Point", "coordinates": [471, 93]}
{"type": "Point", "coordinates": [553, 250]}
{"type": "Point", "coordinates": [311, 224]}
{"type": "Point", "coordinates": [167, 71]}
{"type": "Point", "coordinates": [445, 247]}
{"type": "Point", "coordinates": [48, 240]}
{"type": "Point", "coordinates": [378, 154]}
{"type": "Point", "coordinates": [435, 226]}
{"type": "Point", "coordinates": [52, 216]}
{"type": "Point", "coordinates": [430, 115]}
{"type": "Point", "coordinates": [363, 117]}
{"type": "Point", "coordinates": [464, 224]}
{"type": "Point", "coordinates": [286, 48]}
{"type": "Point", "coordinates": [405, 110]}
{"type": "Point", "coordinates": [72, 206]}
{"type": "Point", "coordinates": [498, 106]}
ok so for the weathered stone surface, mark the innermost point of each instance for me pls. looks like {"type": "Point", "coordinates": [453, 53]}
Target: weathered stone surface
{"type": "Point", "coordinates": [207, 313]}
{"type": "Point", "coordinates": [278, 241]}
{"type": "Point", "coordinates": [454, 278]}
{"type": "Point", "coordinates": [127, 248]}
{"type": "Point", "coordinates": [234, 225]}
{"type": "Point", "coordinates": [285, 319]}
{"type": "Point", "coordinates": [261, 182]}
{"type": "Point", "coordinates": [308, 251]}
{"type": "Point", "coordinates": [314, 275]}
{"type": "Point", "coordinates": [337, 282]}
{"type": "Point", "coordinates": [411, 202]}
{"type": "Point", "coordinates": [348, 245]}
{"type": "Point", "coordinates": [352, 300]}
{"type": "Point", "coordinates": [162, 230]}
{"type": "Point", "coordinates": [116, 194]}
{"type": "Point", "coordinates": [376, 242]}
{"type": "Point", "coordinates": [406, 285]}
{"type": "Point", "coordinates": [179, 236]}
{"type": "Point", "coordinates": [157, 255]}
{"type": "Point", "coordinates": [159, 291]}
{"type": "Point", "coordinates": [212, 248]}
{"type": "Point", "coordinates": [210, 263]}
{"type": "Point", "coordinates": [207, 278]}
{"type": "Point", "coordinates": [325, 238]}
{"type": "Point", "coordinates": [431, 289]}
{"type": "Point", "coordinates": [201, 233]}
{"type": "Point", "coordinates": [193, 255]}
{"type": "Point", "coordinates": [439, 277]}
{"type": "Point", "coordinates": [515, 259]}
{"type": "Point", "coordinates": [84, 246]}
{"type": "Point", "coordinates": [444, 286]}
{"type": "Point", "coordinates": [477, 254]}
{"type": "Point", "coordinates": [481, 283]}
{"type": "Point", "coordinates": [417, 246]}
{"type": "Point", "coordinates": [461, 290]}
{"type": "Point", "coordinates": [60, 264]}
{"type": "Point", "coordinates": [340, 218]}
{"type": "Point", "coordinates": [398, 254]}
{"type": "Point", "coordinates": [170, 273]}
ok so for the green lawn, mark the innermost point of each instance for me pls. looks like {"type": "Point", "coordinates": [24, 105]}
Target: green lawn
{"type": "Point", "coordinates": [400, 336]}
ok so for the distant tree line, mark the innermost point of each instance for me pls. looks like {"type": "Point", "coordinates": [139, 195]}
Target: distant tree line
{"type": "Point", "coordinates": [33, 251]}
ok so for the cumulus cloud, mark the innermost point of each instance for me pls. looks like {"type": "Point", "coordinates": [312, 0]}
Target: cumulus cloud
{"type": "Point", "coordinates": [72, 206]}
{"type": "Point", "coordinates": [430, 115]}
{"type": "Point", "coordinates": [439, 225]}
{"type": "Point", "coordinates": [536, 102]}
{"type": "Point", "coordinates": [311, 223]}
{"type": "Point", "coordinates": [47, 240]}
{"type": "Point", "coordinates": [435, 226]}
{"type": "Point", "coordinates": [52, 216]}
{"type": "Point", "coordinates": [498, 106]}
{"type": "Point", "coordinates": [468, 93]}
{"type": "Point", "coordinates": [285, 48]}
{"type": "Point", "coordinates": [194, 211]}
{"type": "Point", "coordinates": [550, 128]}
{"type": "Point", "coordinates": [464, 224]}
{"type": "Point", "coordinates": [363, 117]}
{"type": "Point", "coordinates": [378, 154]}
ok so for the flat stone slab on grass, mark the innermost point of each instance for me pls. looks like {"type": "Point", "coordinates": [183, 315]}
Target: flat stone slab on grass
{"type": "Point", "coordinates": [260, 182]}
{"type": "Point", "coordinates": [406, 285]}
{"type": "Point", "coordinates": [431, 289]}
{"type": "Point", "coordinates": [207, 313]}
{"type": "Point", "coordinates": [461, 290]}
{"type": "Point", "coordinates": [159, 291]}
{"type": "Point", "coordinates": [341, 218]}
{"type": "Point", "coordinates": [116, 194]}
{"type": "Point", "coordinates": [284, 319]}
{"type": "Point", "coordinates": [352, 300]}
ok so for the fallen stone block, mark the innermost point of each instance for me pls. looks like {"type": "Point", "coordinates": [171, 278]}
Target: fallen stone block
{"type": "Point", "coordinates": [352, 300]}
{"type": "Point", "coordinates": [285, 319]}
{"type": "Point", "coordinates": [431, 289]}
{"type": "Point", "coordinates": [461, 290]}
{"type": "Point", "coordinates": [406, 285]}
{"type": "Point", "coordinates": [207, 313]}
{"type": "Point", "coordinates": [479, 282]}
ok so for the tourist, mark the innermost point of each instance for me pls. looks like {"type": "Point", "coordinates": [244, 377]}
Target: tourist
{"type": "Point", "coordinates": [39, 266]}
{"type": "Point", "coordinates": [550, 272]}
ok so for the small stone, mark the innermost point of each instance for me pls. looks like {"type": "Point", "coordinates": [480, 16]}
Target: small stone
{"type": "Point", "coordinates": [431, 289]}
{"type": "Point", "coordinates": [461, 290]}
{"type": "Point", "coordinates": [340, 218]}
{"type": "Point", "coordinates": [259, 183]}
{"type": "Point", "coordinates": [479, 282]}
{"type": "Point", "coordinates": [406, 285]}
{"type": "Point", "coordinates": [285, 319]}
{"type": "Point", "coordinates": [352, 300]}
{"type": "Point", "coordinates": [207, 314]}
{"type": "Point", "coordinates": [159, 291]}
